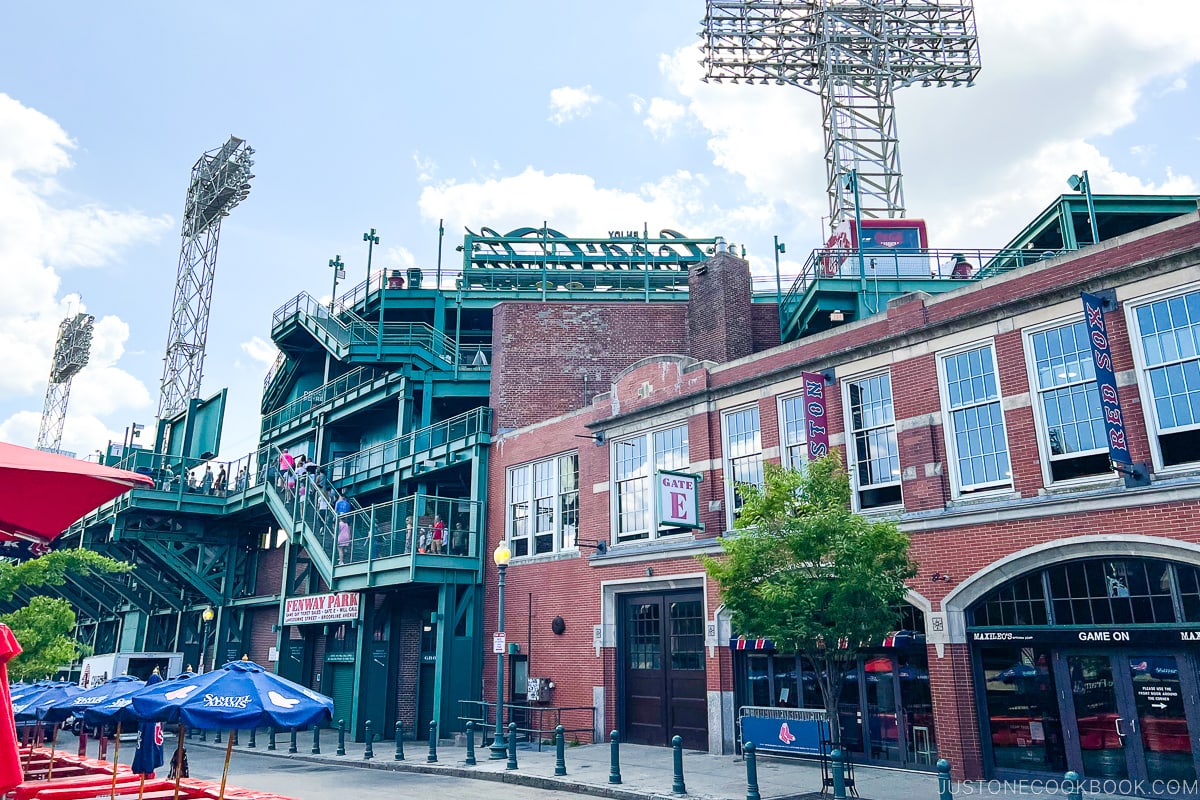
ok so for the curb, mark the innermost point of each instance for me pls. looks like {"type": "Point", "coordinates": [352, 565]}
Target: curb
{"type": "Point", "coordinates": [514, 777]}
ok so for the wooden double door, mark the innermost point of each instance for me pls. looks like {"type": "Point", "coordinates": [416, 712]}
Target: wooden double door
{"type": "Point", "coordinates": [664, 689]}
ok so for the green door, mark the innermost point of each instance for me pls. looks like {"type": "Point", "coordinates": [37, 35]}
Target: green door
{"type": "Point", "coordinates": [341, 689]}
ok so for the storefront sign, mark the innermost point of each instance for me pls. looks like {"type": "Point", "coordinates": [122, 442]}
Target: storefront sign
{"type": "Point", "coordinates": [678, 499]}
{"type": "Point", "coordinates": [815, 424]}
{"type": "Point", "coordinates": [335, 607]}
{"type": "Point", "coordinates": [795, 731]}
{"type": "Point", "coordinates": [340, 657]}
{"type": "Point", "coordinates": [1105, 637]}
{"type": "Point", "coordinates": [1106, 380]}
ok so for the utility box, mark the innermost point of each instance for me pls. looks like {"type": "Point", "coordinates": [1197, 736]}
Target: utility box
{"type": "Point", "coordinates": [537, 690]}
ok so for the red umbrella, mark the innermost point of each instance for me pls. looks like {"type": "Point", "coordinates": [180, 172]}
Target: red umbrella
{"type": "Point", "coordinates": [10, 758]}
{"type": "Point", "coordinates": [41, 493]}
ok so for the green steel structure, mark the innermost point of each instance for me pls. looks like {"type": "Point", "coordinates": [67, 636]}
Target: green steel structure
{"type": "Point", "coordinates": [385, 390]}
{"type": "Point", "coordinates": [844, 284]}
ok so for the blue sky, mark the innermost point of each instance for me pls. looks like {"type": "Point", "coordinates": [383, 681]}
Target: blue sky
{"type": "Point", "coordinates": [393, 115]}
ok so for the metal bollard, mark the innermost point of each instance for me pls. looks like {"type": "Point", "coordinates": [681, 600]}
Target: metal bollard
{"type": "Point", "coordinates": [751, 771]}
{"type": "Point", "coordinates": [233, 735]}
{"type": "Point", "coordinates": [943, 773]}
{"type": "Point", "coordinates": [292, 748]}
{"type": "Point", "coordinates": [341, 749]}
{"type": "Point", "coordinates": [677, 786]}
{"type": "Point", "coordinates": [203, 735]}
{"type": "Point", "coordinates": [560, 750]}
{"type": "Point", "coordinates": [399, 742]}
{"type": "Point", "coordinates": [316, 748]}
{"type": "Point", "coordinates": [470, 762]}
{"type": "Point", "coordinates": [190, 733]}
{"type": "Point", "coordinates": [512, 746]}
{"type": "Point", "coordinates": [1074, 785]}
{"type": "Point", "coordinates": [217, 737]}
{"type": "Point", "coordinates": [614, 749]}
{"type": "Point", "coordinates": [253, 738]}
{"type": "Point", "coordinates": [271, 738]}
{"type": "Point", "coordinates": [839, 775]}
{"type": "Point", "coordinates": [432, 757]}
{"type": "Point", "coordinates": [369, 752]}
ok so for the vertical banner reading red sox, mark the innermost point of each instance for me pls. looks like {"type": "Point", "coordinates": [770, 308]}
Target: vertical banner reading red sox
{"type": "Point", "coordinates": [678, 499]}
{"type": "Point", "coordinates": [1106, 379]}
{"type": "Point", "coordinates": [815, 426]}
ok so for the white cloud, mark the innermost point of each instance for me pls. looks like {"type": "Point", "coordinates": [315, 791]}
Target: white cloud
{"type": "Point", "coordinates": [571, 102]}
{"type": "Point", "coordinates": [260, 351]}
{"type": "Point", "coordinates": [426, 167]}
{"type": "Point", "coordinates": [41, 235]}
{"type": "Point", "coordinates": [662, 116]}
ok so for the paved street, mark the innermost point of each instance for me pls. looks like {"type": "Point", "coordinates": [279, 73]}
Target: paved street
{"type": "Point", "coordinates": [309, 781]}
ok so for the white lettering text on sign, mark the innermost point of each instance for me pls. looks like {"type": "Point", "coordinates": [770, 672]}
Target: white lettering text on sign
{"type": "Point", "coordinates": [313, 608]}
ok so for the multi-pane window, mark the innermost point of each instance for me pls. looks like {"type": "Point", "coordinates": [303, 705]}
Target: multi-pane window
{"type": "Point", "coordinates": [1169, 335]}
{"type": "Point", "coordinates": [975, 420]}
{"type": "Point", "coordinates": [793, 431]}
{"type": "Point", "coordinates": [635, 461]}
{"type": "Point", "coordinates": [1064, 378]}
{"type": "Point", "coordinates": [743, 454]}
{"type": "Point", "coordinates": [874, 453]}
{"type": "Point", "coordinates": [543, 505]}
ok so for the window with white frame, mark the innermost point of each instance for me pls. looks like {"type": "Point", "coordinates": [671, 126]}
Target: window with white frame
{"type": "Point", "coordinates": [635, 459]}
{"type": "Point", "coordinates": [743, 455]}
{"type": "Point", "coordinates": [978, 446]}
{"type": "Point", "coordinates": [793, 430]}
{"type": "Point", "coordinates": [543, 506]}
{"type": "Point", "coordinates": [1168, 337]}
{"type": "Point", "coordinates": [1069, 416]}
{"type": "Point", "coordinates": [874, 454]}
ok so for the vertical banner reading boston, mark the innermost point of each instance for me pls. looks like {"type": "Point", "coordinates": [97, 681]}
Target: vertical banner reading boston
{"type": "Point", "coordinates": [814, 415]}
{"type": "Point", "coordinates": [1106, 379]}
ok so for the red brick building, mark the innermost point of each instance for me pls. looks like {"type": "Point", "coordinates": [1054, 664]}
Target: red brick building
{"type": "Point", "coordinates": [1054, 622]}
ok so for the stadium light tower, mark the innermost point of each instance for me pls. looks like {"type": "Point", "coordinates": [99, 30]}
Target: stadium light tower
{"type": "Point", "coordinates": [71, 354]}
{"type": "Point", "coordinates": [220, 180]}
{"type": "Point", "coordinates": [852, 54]}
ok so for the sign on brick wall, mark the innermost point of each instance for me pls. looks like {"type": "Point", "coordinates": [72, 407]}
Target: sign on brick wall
{"type": "Point", "coordinates": [313, 608]}
{"type": "Point", "coordinates": [1106, 379]}
{"type": "Point", "coordinates": [815, 424]}
{"type": "Point", "coordinates": [678, 499]}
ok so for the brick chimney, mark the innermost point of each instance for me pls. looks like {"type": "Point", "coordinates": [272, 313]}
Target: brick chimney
{"type": "Point", "coordinates": [719, 309]}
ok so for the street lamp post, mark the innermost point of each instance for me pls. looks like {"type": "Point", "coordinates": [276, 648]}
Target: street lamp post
{"type": "Point", "coordinates": [1080, 183]}
{"type": "Point", "coordinates": [371, 239]}
{"type": "Point", "coordinates": [780, 247]}
{"type": "Point", "coordinates": [339, 272]}
{"type": "Point", "coordinates": [206, 616]}
{"type": "Point", "coordinates": [501, 555]}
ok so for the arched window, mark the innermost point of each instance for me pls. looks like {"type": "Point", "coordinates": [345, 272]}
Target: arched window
{"type": "Point", "coordinates": [1095, 591]}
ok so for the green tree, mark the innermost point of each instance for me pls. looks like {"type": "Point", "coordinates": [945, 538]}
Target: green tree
{"type": "Point", "coordinates": [810, 574]}
{"type": "Point", "coordinates": [53, 569]}
{"type": "Point", "coordinates": [44, 629]}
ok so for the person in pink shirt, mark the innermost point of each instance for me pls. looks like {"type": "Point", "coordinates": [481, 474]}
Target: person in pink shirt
{"type": "Point", "coordinates": [439, 535]}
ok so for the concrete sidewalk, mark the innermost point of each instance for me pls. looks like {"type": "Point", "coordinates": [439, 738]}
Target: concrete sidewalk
{"type": "Point", "coordinates": [646, 772]}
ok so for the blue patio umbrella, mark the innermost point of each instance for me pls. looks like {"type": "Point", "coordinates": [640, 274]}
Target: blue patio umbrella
{"type": "Point", "coordinates": [239, 696]}
{"type": "Point", "coordinates": [76, 705]}
{"type": "Point", "coordinates": [34, 706]}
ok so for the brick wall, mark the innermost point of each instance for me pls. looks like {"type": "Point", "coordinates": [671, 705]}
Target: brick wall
{"type": "Point", "coordinates": [551, 358]}
{"type": "Point", "coordinates": [719, 311]}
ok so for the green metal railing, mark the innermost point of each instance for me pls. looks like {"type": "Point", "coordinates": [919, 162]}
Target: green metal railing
{"type": "Point", "coordinates": [953, 266]}
{"type": "Point", "coordinates": [327, 393]}
{"type": "Point", "coordinates": [385, 455]}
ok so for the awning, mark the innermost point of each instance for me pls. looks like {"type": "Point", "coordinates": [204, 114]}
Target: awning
{"type": "Point", "coordinates": [742, 643]}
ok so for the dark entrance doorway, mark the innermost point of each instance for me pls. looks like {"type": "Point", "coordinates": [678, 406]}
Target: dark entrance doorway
{"type": "Point", "coordinates": [665, 691]}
